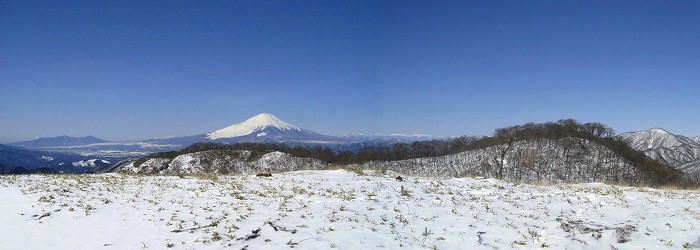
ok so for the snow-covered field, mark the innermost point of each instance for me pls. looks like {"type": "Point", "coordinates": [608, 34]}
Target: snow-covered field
{"type": "Point", "coordinates": [337, 209]}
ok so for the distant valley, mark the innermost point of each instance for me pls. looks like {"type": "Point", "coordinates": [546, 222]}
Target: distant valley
{"type": "Point", "coordinates": [14, 160]}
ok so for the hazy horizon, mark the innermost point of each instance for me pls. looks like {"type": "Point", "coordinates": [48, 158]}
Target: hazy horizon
{"type": "Point", "coordinates": [136, 70]}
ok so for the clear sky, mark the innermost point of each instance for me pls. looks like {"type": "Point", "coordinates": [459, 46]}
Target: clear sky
{"type": "Point", "coordinates": [123, 70]}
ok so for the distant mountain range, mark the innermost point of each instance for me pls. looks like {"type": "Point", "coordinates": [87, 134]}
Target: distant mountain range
{"type": "Point", "coordinates": [260, 128]}
{"type": "Point", "coordinates": [59, 141]}
{"type": "Point", "coordinates": [678, 151]}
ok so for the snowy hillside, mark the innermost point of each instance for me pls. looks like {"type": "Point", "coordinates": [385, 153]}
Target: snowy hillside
{"type": "Point", "coordinates": [222, 162]}
{"type": "Point", "coordinates": [337, 209]}
{"type": "Point", "coordinates": [676, 150]}
{"type": "Point", "coordinates": [533, 160]}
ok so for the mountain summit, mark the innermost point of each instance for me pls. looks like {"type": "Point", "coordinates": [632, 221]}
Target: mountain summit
{"type": "Point", "coordinates": [257, 123]}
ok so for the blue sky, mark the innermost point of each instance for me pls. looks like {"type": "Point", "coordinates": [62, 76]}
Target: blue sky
{"type": "Point", "coordinates": [124, 70]}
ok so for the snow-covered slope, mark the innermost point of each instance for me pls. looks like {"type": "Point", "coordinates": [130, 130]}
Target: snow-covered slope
{"type": "Point", "coordinates": [675, 150]}
{"type": "Point", "coordinates": [222, 162]}
{"type": "Point", "coordinates": [337, 210]}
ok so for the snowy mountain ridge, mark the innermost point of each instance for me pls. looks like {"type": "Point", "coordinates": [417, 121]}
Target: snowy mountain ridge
{"type": "Point", "coordinates": [658, 138]}
{"type": "Point", "coordinates": [678, 151]}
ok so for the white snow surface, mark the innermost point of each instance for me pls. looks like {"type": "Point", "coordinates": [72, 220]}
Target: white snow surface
{"type": "Point", "coordinates": [252, 125]}
{"type": "Point", "coordinates": [337, 209]}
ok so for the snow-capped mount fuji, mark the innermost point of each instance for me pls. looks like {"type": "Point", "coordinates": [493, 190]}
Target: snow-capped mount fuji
{"type": "Point", "coordinates": [266, 127]}
{"type": "Point", "coordinates": [259, 125]}
{"type": "Point", "coordinates": [678, 151]}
